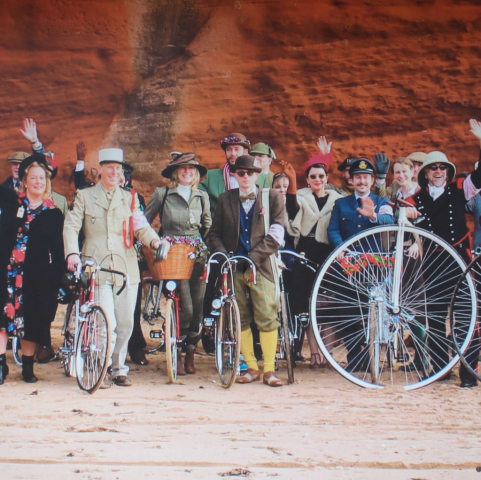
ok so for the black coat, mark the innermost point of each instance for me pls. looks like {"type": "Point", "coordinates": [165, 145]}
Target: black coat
{"type": "Point", "coordinates": [9, 223]}
{"type": "Point", "coordinates": [43, 267]}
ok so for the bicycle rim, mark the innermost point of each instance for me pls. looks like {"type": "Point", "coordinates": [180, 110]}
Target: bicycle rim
{"type": "Point", "coordinates": [171, 341]}
{"type": "Point", "coordinates": [286, 339]}
{"type": "Point", "coordinates": [413, 348]}
{"type": "Point", "coordinates": [457, 315]}
{"type": "Point", "coordinates": [68, 338]}
{"type": "Point", "coordinates": [16, 349]}
{"type": "Point", "coordinates": [93, 350]}
{"type": "Point", "coordinates": [227, 351]}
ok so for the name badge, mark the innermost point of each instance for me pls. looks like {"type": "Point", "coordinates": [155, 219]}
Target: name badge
{"type": "Point", "coordinates": [20, 212]}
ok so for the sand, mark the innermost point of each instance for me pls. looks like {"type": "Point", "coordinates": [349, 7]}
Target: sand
{"type": "Point", "coordinates": [320, 427]}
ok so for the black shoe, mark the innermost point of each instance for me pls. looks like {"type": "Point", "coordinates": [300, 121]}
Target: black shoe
{"type": "Point", "coordinates": [468, 382]}
{"type": "Point", "coordinates": [27, 369]}
{"type": "Point", "coordinates": [412, 367]}
{"type": "Point", "coordinates": [139, 357]}
{"type": "Point", "coordinates": [122, 381]}
{"type": "Point", "coordinates": [45, 354]}
{"type": "Point", "coordinates": [359, 367]}
{"type": "Point", "coordinates": [3, 368]}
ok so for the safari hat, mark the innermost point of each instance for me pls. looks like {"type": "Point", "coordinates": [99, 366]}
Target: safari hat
{"type": "Point", "coordinates": [111, 155]}
{"type": "Point", "coordinates": [432, 158]}
{"type": "Point", "coordinates": [182, 159]}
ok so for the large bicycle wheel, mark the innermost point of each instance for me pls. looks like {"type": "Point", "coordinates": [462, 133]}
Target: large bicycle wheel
{"type": "Point", "coordinates": [227, 345]}
{"type": "Point", "coordinates": [364, 339]}
{"type": "Point", "coordinates": [458, 317]}
{"type": "Point", "coordinates": [68, 332]}
{"type": "Point", "coordinates": [171, 340]}
{"type": "Point", "coordinates": [152, 318]}
{"type": "Point", "coordinates": [286, 338]}
{"type": "Point", "coordinates": [93, 349]}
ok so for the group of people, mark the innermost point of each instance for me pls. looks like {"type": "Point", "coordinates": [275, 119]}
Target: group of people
{"type": "Point", "coordinates": [242, 208]}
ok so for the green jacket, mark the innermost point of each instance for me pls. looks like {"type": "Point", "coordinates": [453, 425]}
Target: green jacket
{"type": "Point", "coordinates": [214, 185]}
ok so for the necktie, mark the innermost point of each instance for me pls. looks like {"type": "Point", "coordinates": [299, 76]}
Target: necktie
{"type": "Point", "coordinates": [251, 196]}
{"type": "Point", "coordinates": [109, 196]}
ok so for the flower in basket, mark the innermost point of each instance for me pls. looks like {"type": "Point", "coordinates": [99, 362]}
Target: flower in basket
{"type": "Point", "coordinates": [196, 242]}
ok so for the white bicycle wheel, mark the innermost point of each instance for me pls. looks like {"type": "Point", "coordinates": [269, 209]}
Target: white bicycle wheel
{"type": "Point", "coordinates": [171, 340]}
{"type": "Point", "coordinates": [411, 348]}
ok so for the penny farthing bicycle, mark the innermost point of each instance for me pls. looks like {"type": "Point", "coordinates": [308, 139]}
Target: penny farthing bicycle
{"type": "Point", "coordinates": [380, 307]}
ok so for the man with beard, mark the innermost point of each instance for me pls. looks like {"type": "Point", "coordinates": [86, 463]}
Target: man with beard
{"type": "Point", "coordinates": [220, 180]}
{"type": "Point", "coordinates": [443, 207]}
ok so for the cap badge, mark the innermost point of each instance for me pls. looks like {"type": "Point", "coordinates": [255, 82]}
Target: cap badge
{"type": "Point", "coordinates": [363, 165]}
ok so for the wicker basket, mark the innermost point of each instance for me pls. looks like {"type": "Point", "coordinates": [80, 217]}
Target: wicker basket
{"type": "Point", "coordinates": [177, 265]}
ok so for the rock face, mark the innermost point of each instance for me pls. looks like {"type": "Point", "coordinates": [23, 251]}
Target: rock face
{"type": "Point", "coordinates": [152, 76]}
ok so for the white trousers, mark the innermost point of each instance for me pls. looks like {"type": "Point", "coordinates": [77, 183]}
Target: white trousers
{"type": "Point", "coordinates": [120, 310]}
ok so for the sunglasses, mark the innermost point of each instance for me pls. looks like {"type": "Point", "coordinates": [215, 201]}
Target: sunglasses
{"type": "Point", "coordinates": [321, 176]}
{"type": "Point", "coordinates": [441, 167]}
{"type": "Point", "coordinates": [249, 173]}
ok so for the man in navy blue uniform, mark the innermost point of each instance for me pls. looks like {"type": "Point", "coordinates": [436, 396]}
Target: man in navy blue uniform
{"type": "Point", "coordinates": [361, 210]}
{"type": "Point", "coordinates": [352, 215]}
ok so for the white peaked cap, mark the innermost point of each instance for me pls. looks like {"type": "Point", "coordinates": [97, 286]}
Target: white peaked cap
{"type": "Point", "coordinates": [111, 155]}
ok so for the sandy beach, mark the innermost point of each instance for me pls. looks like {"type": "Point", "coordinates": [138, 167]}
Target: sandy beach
{"type": "Point", "coordinates": [320, 427]}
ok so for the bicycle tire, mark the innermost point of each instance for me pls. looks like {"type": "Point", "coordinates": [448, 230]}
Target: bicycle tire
{"type": "Point", "coordinates": [93, 349]}
{"type": "Point", "coordinates": [458, 330]}
{"type": "Point", "coordinates": [152, 319]}
{"type": "Point", "coordinates": [286, 339]}
{"type": "Point", "coordinates": [16, 349]}
{"type": "Point", "coordinates": [338, 292]}
{"type": "Point", "coordinates": [228, 335]}
{"type": "Point", "coordinates": [171, 340]}
{"type": "Point", "coordinates": [68, 332]}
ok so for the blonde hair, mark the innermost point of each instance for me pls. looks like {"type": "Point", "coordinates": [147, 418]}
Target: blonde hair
{"type": "Point", "coordinates": [403, 161]}
{"type": "Point", "coordinates": [174, 181]}
{"type": "Point", "coordinates": [48, 185]}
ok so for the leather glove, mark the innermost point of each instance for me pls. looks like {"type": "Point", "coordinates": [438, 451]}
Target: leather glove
{"type": "Point", "coordinates": [382, 164]}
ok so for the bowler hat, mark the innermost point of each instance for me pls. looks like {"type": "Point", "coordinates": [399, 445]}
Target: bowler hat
{"type": "Point", "coordinates": [263, 149]}
{"type": "Point", "coordinates": [111, 155]}
{"type": "Point", "coordinates": [235, 139]}
{"type": "Point", "coordinates": [182, 159]}
{"type": "Point", "coordinates": [362, 165]}
{"type": "Point", "coordinates": [432, 158]}
{"type": "Point", "coordinates": [36, 157]}
{"type": "Point", "coordinates": [17, 157]}
{"type": "Point", "coordinates": [245, 162]}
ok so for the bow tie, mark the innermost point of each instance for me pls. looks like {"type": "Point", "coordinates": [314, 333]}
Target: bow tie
{"type": "Point", "coordinates": [251, 196]}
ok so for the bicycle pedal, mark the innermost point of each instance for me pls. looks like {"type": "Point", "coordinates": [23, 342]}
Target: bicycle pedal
{"type": "Point", "coordinates": [156, 334]}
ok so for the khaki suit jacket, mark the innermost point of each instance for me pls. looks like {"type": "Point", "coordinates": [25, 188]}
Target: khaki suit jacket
{"type": "Point", "coordinates": [103, 225]}
{"type": "Point", "coordinates": [224, 233]}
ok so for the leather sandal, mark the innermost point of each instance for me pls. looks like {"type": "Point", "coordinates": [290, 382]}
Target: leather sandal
{"type": "Point", "coordinates": [250, 376]}
{"type": "Point", "coordinates": [271, 380]}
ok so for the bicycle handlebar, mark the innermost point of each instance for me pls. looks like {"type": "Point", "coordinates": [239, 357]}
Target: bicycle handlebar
{"type": "Point", "coordinates": [302, 258]}
{"type": "Point", "coordinates": [90, 262]}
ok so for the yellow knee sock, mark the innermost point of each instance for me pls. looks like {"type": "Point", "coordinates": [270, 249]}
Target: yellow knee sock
{"type": "Point", "coordinates": [247, 348]}
{"type": "Point", "coordinates": [269, 347]}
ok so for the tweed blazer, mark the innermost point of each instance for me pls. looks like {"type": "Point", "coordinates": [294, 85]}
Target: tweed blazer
{"type": "Point", "coordinates": [103, 225]}
{"type": "Point", "coordinates": [225, 231]}
{"type": "Point", "coordinates": [214, 185]}
{"type": "Point", "coordinates": [180, 217]}
{"type": "Point", "coordinates": [309, 215]}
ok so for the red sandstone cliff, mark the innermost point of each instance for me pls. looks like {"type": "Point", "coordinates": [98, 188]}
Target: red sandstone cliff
{"type": "Point", "coordinates": [151, 76]}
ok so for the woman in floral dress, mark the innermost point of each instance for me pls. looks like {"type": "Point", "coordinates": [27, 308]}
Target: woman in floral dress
{"type": "Point", "coordinates": [35, 267]}
{"type": "Point", "coordinates": [184, 213]}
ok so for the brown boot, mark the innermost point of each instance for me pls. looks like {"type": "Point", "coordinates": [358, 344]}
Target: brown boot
{"type": "Point", "coordinates": [189, 361]}
{"type": "Point", "coordinates": [180, 364]}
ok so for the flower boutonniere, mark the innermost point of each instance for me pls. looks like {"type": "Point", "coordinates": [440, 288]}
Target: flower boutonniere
{"type": "Point", "coordinates": [263, 211]}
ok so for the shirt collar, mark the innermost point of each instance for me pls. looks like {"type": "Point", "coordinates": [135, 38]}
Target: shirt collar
{"type": "Point", "coordinates": [254, 189]}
